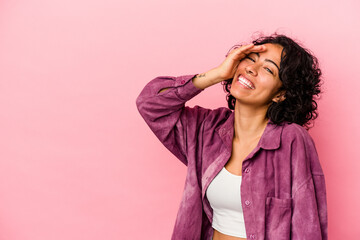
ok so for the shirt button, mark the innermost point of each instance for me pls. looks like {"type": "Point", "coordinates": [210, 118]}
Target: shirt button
{"type": "Point", "coordinates": [252, 236]}
{"type": "Point", "coordinates": [247, 170]}
{"type": "Point", "coordinates": [247, 202]}
{"type": "Point", "coordinates": [182, 81]}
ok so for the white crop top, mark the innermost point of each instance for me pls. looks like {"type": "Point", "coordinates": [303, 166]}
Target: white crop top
{"type": "Point", "coordinates": [224, 197]}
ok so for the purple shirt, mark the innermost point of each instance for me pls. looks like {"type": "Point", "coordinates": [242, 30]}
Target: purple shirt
{"type": "Point", "coordinates": [283, 190]}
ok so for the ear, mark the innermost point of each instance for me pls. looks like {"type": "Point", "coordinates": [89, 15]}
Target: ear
{"type": "Point", "coordinates": [279, 97]}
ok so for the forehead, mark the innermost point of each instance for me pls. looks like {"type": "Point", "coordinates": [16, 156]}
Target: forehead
{"type": "Point", "coordinates": [272, 52]}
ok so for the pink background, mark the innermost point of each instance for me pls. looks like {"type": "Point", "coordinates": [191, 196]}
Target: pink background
{"type": "Point", "coordinates": [76, 159]}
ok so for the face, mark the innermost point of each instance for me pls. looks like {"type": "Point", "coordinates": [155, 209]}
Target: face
{"type": "Point", "coordinates": [256, 81]}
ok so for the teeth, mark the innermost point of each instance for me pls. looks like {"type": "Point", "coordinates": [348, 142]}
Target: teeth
{"type": "Point", "coordinates": [245, 82]}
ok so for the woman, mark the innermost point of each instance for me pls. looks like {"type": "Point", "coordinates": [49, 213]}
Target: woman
{"type": "Point", "coordinates": [252, 173]}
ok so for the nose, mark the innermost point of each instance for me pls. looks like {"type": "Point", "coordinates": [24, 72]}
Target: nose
{"type": "Point", "coordinates": [251, 69]}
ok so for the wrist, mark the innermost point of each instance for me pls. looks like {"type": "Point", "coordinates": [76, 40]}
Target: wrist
{"type": "Point", "coordinates": [207, 79]}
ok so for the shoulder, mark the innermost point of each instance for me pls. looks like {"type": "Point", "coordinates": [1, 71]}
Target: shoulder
{"type": "Point", "coordinates": [218, 116]}
{"type": "Point", "coordinates": [304, 154]}
{"type": "Point", "coordinates": [208, 118]}
{"type": "Point", "coordinates": [294, 132]}
{"type": "Point", "coordinates": [214, 118]}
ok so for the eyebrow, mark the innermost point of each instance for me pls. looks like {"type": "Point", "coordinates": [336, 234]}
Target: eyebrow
{"type": "Point", "coordinates": [267, 60]}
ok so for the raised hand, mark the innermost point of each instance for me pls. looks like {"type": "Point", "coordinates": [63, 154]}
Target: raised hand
{"type": "Point", "coordinates": [226, 70]}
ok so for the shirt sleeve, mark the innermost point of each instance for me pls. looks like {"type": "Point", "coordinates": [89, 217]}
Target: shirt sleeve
{"type": "Point", "coordinates": [166, 114]}
{"type": "Point", "coordinates": [309, 215]}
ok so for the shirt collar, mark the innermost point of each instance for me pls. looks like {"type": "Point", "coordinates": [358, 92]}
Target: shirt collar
{"type": "Point", "coordinates": [270, 138]}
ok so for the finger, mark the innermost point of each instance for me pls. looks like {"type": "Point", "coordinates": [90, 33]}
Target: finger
{"type": "Point", "coordinates": [257, 48]}
{"type": "Point", "coordinates": [251, 48]}
{"type": "Point", "coordinates": [246, 49]}
{"type": "Point", "coordinates": [238, 48]}
{"type": "Point", "coordinates": [241, 49]}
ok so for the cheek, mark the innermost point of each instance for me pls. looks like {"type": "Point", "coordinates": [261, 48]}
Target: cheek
{"type": "Point", "coordinates": [269, 80]}
{"type": "Point", "coordinates": [278, 84]}
{"type": "Point", "coordinates": [232, 86]}
{"type": "Point", "coordinates": [242, 64]}
{"type": "Point", "coordinates": [275, 89]}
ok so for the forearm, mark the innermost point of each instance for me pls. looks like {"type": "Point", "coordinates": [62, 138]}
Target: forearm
{"type": "Point", "coordinates": [205, 79]}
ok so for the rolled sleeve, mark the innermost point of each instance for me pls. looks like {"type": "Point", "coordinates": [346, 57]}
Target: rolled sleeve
{"type": "Point", "coordinates": [166, 114]}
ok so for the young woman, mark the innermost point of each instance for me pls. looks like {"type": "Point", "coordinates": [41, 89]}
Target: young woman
{"type": "Point", "coordinates": [252, 169]}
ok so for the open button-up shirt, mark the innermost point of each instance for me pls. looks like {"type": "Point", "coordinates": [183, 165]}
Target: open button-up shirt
{"type": "Point", "coordinates": [283, 190]}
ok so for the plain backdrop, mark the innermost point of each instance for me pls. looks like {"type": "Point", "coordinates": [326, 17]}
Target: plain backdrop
{"type": "Point", "coordinates": [76, 159]}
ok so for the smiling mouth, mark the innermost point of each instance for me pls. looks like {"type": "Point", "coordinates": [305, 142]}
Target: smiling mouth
{"type": "Point", "coordinates": [246, 82]}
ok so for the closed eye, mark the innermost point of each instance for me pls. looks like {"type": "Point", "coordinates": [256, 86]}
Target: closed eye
{"type": "Point", "coordinates": [267, 69]}
{"type": "Point", "coordinates": [250, 58]}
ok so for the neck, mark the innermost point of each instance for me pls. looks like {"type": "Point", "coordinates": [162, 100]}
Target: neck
{"type": "Point", "coordinates": [249, 122]}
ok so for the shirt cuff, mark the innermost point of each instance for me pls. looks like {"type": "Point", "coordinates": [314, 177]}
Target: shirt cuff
{"type": "Point", "coordinates": [185, 88]}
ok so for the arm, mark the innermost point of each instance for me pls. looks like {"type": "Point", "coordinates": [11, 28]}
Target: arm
{"type": "Point", "coordinates": [227, 68]}
{"type": "Point", "coordinates": [162, 105]}
{"type": "Point", "coordinates": [162, 102]}
{"type": "Point", "coordinates": [204, 80]}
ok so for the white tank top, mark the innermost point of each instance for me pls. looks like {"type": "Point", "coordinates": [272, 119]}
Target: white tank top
{"type": "Point", "coordinates": [224, 197]}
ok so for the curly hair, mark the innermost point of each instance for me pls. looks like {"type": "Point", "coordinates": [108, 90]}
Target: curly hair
{"type": "Point", "coordinates": [300, 76]}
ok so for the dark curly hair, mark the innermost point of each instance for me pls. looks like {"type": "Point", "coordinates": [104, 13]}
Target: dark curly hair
{"type": "Point", "coordinates": [300, 76]}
